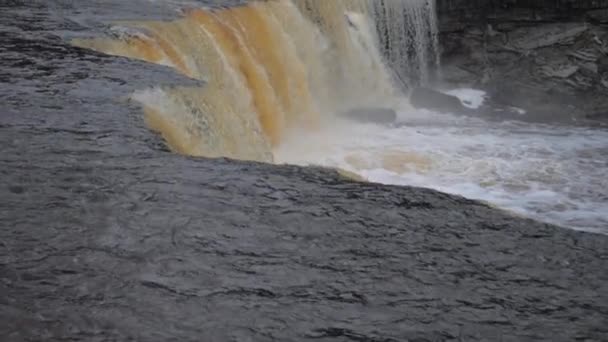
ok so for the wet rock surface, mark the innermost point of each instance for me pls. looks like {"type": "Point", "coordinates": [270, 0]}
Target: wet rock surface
{"type": "Point", "coordinates": [547, 57]}
{"type": "Point", "coordinates": [106, 236]}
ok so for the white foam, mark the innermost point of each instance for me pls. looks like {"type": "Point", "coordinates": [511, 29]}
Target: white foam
{"type": "Point", "coordinates": [471, 98]}
{"type": "Point", "coordinates": [554, 174]}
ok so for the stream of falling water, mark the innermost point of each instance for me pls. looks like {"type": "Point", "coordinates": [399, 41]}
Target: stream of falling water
{"type": "Point", "coordinates": [273, 66]}
{"type": "Point", "coordinates": [279, 72]}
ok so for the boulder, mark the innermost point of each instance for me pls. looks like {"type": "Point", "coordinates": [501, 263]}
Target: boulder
{"type": "Point", "coordinates": [426, 98]}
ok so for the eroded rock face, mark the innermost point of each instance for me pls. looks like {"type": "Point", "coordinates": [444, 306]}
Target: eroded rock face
{"type": "Point", "coordinates": [550, 58]}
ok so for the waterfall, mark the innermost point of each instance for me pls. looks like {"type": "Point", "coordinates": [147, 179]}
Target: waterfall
{"type": "Point", "coordinates": [272, 66]}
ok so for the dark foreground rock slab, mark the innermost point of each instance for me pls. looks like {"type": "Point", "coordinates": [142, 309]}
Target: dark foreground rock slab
{"type": "Point", "coordinates": [105, 236]}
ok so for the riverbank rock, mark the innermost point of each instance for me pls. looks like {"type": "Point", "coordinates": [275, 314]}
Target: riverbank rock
{"type": "Point", "coordinates": [549, 60]}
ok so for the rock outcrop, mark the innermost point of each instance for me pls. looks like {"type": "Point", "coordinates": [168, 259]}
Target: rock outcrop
{"type": "Point", "coordinates": [548, 57]}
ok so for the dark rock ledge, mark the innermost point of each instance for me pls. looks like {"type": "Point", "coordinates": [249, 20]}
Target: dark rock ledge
{"type": "Point", "coordinates": [107, 237]}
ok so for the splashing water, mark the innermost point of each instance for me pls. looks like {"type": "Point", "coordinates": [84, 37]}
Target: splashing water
{"type": "Point", "coordinates": [272, 66]}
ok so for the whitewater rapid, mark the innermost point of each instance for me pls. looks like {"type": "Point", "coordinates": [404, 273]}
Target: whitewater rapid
{"type": "Point", "coordinates": [555, 174]}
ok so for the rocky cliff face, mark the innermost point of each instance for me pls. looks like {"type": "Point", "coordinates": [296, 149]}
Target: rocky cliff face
{"type": "Point", "coordinates": [548, 57]}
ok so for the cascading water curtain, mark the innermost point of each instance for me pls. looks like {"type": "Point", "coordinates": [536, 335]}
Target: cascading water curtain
{"type": "Point", "coordinates": [409, 38]}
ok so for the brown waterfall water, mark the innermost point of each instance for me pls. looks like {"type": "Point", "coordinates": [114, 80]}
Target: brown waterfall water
{"type": "Point", "coordinates": [273, 66]}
